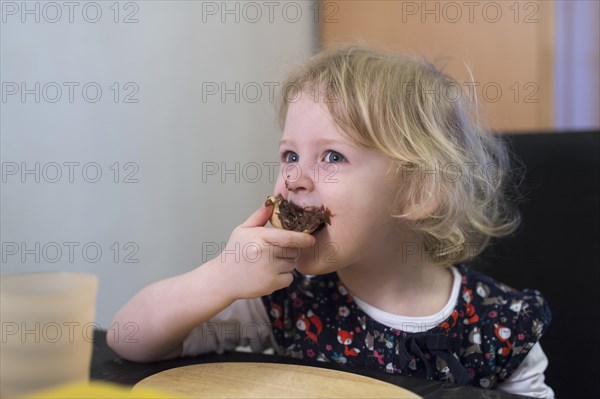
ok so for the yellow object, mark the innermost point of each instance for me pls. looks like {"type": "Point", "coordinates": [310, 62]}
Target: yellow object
{"type": "Point", "coordinates": [98, 390]}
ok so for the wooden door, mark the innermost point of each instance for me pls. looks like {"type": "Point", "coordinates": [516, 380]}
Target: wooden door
{"type": "Point", "coordinates": [507, 46]}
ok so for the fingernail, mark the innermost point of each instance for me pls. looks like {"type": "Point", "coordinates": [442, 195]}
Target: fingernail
{"type": "Point", "coordinates": [268, 202]}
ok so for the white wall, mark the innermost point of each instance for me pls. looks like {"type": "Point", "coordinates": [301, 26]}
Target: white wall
{"type": "Point", "coordinates": [167, 139]}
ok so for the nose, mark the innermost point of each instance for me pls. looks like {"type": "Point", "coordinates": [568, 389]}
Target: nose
{"type": "Point", "coordinates": [298, 178]}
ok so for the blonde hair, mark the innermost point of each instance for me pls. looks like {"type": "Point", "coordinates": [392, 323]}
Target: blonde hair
{"type": "Point", "coordinates": [451, 174]}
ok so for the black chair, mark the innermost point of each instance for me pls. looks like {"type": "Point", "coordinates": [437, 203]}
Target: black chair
{"type": "Point", "coordinates": [556, 250]}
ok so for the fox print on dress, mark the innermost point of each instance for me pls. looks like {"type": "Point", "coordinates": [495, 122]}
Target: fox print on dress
{"type": "Point", "coordinates": [346, 338]}
{"type": "Point", "coordinates": [311, 325]}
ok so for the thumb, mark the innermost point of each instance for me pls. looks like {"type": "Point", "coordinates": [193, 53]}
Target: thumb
{"type": "Point", "coordinates": [260, 217]}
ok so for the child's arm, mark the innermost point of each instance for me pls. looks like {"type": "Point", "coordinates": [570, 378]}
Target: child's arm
{"type": "Point", "coordinates": [528, 379]}
{"type": "Point", "coordinates": [164, 313]}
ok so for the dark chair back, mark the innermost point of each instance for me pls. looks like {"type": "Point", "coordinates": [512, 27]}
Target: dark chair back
{"type": "Point", "coordinates": [556, 251]}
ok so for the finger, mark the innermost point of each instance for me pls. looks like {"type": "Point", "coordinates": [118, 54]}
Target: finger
{"type": "Point", "coordinates": [284, 280]}
{"type": "Point", "coordinates": [286, 238]}
{"type": "Point", "coordinates": [285, 266]}
{"type": "Point", "coordinates": [260, 217]}
{"type": "Point", "coordinates": [289, 261]}
{"type": "Point", "coordinates": [284, 254]}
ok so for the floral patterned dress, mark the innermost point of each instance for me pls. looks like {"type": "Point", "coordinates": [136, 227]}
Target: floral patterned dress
{"type": "Point", "coordinates": [487, 336]}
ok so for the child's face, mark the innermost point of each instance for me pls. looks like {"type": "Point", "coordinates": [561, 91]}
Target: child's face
{"type": "Point", "coordinates": [323, 166]}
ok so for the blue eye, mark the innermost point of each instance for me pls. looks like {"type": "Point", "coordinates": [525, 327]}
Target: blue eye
{"type": "Point", "coordinates": [334, 157]}
{"type": "Point", "coordinates": [289, 157]}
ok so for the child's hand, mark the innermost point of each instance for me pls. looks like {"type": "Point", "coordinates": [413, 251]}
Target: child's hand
{"type": "Point", "coordinates": [259, 260]}
{"type": "Point", "coordinates": [255, 262]}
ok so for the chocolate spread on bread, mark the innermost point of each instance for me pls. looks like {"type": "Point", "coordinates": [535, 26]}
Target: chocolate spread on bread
{"type": "Point", "coordinates": [296, 218]}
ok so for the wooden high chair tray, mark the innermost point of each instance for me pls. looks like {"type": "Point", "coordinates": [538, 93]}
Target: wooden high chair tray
{"type": "Point", "coordinates": [268, 380]}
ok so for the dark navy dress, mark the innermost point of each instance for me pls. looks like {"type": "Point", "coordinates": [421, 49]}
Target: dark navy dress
{"type": "Point", "coordinates": [487, 336]}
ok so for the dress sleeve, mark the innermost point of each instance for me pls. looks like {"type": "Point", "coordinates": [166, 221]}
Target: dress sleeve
{"type": "Point", "coordinates": [243, 323]}
{"type": "Point", "coordinates": [528, 378]}
{"type": "Point", "coordinates": [532, 318]}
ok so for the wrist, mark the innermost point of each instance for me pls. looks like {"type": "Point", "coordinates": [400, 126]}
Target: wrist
{"type": "Point", "coordinates": [223, 280]}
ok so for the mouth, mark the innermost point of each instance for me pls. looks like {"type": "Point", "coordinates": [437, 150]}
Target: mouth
{"type": "Point", "coordinates": [289, 216]}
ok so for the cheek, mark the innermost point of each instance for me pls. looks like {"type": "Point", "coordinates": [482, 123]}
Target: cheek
{"type": "Point", "coordinates": [362, 224]}
{"type": "Point", "coordinates": [351, 208]}
{"type": "Point", "coordinates": [361, 212]}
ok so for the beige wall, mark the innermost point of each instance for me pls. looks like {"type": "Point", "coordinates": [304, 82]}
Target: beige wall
{"type": "Point", "coordinates": [508, 46]}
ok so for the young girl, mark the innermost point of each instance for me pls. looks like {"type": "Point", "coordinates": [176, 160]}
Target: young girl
{"type": "Point", "coordinates": [386, 143]}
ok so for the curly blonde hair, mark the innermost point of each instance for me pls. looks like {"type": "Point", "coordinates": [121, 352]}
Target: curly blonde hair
{"type": "Point", "coordinates": [451, 174]}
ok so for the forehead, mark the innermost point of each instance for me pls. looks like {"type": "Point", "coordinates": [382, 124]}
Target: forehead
{"type": "Point", "coordinates": [309, 119]}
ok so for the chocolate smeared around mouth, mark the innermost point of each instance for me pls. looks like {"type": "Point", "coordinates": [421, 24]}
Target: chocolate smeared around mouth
{"type": "Point", "coordinates": [289, 216]}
